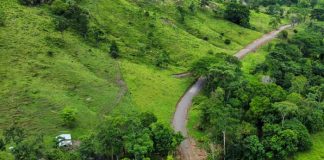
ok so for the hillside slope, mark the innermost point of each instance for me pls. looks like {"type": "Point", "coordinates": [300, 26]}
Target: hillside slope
{"type": "Point", "coordinates": [43, 71]}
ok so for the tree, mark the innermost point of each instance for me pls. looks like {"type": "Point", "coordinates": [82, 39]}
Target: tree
{"type": "Point", "coordinates": [88, 148]}
{"type": "Point", "coordinates": [253, 148]}
{"type": "Point", "coordinates": [298, 84]}
{"type": "Point", "coordinates": [114, 50]}
{"type": "Point", "coordinates": [61, 24]}
{"type": "Point", "coordinates": [147, 119]}
{"type": "Point", "coordinates": [138, 144]}
{"type": "Point", "coordinates": [31, 148]}
{"type": "Point", "coordinates": [274, 22]}
{"type": "Point", "coordinates": [285, 108]}
{"type": "Point", "coordinates": [258, 107]}
{"type": "Point", "coordinates": [304, 140]}
{"type": "Point", "coordinates": [165, 141]}
{"type": "Point", "coordinates": [69, 117]}
{"type": "Point", "coordinates": [279, 143]}
{"type": "Point", "coordinates": [238, 14]}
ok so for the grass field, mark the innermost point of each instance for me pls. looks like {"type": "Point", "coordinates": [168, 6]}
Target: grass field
{"type": "Point", "coordinates": [154, 90]}
{"type": "Point", "coordinates": [43, 72]}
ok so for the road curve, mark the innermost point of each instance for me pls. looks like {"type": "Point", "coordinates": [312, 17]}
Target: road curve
{"type": "Point", "coordinates": [187, 149]}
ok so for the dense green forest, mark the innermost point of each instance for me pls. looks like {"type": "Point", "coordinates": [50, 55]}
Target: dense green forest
{"type": "Point", "coordinates": [102, 71]}
{"type": "Point", "coordinates": [272, 119]}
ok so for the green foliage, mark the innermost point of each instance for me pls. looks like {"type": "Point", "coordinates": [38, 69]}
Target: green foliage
{"type": "Point", "coordinates": [275, 126]}
{"type": "Point", "coordinates": [304, 141]}
{"type": "Point", "coordinates": [147, 119]}
{"type": "Point", "coordinates": [275, 10]}
{"type": "Point", "coordinates": [238, 14]}
{"type": "Point", "coordinates": [227, 41]}
{"type": "Point", "coordinates": [318, 14]}
{"type": "Point", "coordinates": [284, 34]}
{"type": "Point", "coordinates": [285, 109]}
{"type": "Point", "coordinates": [14, 134]}
{"type": "Point", "coordinates": [128, 136]}
{"type": "Point", "coordinates": [253, 149]}
{"type": "Point", "coordinates": [2, 144]}
{"type": "Point", "coordinates": [31, 148]}
{"type": "Point", "coordinates": [192, 8]}
{"type": "Point", "coordinates": [61, 24]}
{"type": "Point", "coordinates": [182, 13]}
{"type": "Point", "coordinates": [69, 117]}
{"type": "Point", "coordinates": [114, 50]}
{"type": "Point", "coordinates": [88, 147]}
{"type": "Point", "coordinates": [165, 141]}
{"type": "Point", "coordinates": [204, 3]}
{"type": "Point", "coordinates": [274, 22]}
{"type": "Point", "coordinates": [34, 2]}
{"type": "Point", "coordinates": [77, 17]}
{"type": "Point", "coordinates": [162, 60]}
{"type": "Point", "coordinates": [2, 19]}
{"type": "Point", "coordinates": [278, 143]}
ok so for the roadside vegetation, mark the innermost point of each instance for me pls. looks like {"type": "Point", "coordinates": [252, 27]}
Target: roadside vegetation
{"type": "Point", "coordinates": [273, 117]}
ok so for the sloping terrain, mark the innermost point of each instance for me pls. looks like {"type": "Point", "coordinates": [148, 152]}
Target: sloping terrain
{"type": "Point", "coordinates": [44, 71]}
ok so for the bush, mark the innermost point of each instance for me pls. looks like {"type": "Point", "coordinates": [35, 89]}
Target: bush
{"type": "Point", "coordinates": [69, 117]}
{"type": "Point", "coordinates": [114, 50]}
{"type": "Point", "coordinates": [2, 144]}
{"type": "Point", "coordinates": [227, 42]}
{"type": "Point", "coordinates": [284, 34]}
{"type": "Point", "coordinates": [71, 15]}
{"type": "Point", "coordinates": [162, 60]}
{"type": "Point", "coordinates": [2, 18]}
{"type": "Point", "coordinates": [34, 2]}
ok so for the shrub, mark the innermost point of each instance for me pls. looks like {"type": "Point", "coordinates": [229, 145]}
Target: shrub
{"type": "Point", "coordinates": [114, 50]}
{"type": "Point", "coordinates": [34, 2]}
{"type": "Point", "coordinates": [205, 38]}
{"type": "Point", "coordinates": [58, 7]}
{"type": "Point", "coordinates": [284, 34]}
{"type": "Point", "coordinates": [227, 42]}
{"type": "Point", "coordinates": [69, 117]}
{"type": "Point", "coordinates": [74, 16]}
{"type": "Point", "coordinates": [162, 60]}
{"type": "Point", "coordinates": [2, 144]}
{"type": "Point", "coordinates": [2, 18]}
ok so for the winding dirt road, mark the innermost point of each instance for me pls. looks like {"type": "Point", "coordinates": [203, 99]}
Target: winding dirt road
{"type": "Point", "coordinates": [188, 149]}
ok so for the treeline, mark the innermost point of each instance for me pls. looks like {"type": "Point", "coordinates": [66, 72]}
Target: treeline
{"type": "Point", "coordinates": [131, 136]}
{"type": "Point", "coordinates": [270, 119]}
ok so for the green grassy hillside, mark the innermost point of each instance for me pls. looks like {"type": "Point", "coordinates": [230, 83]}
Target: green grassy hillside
{"type": "Point", "coordinates": [43, 71]}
